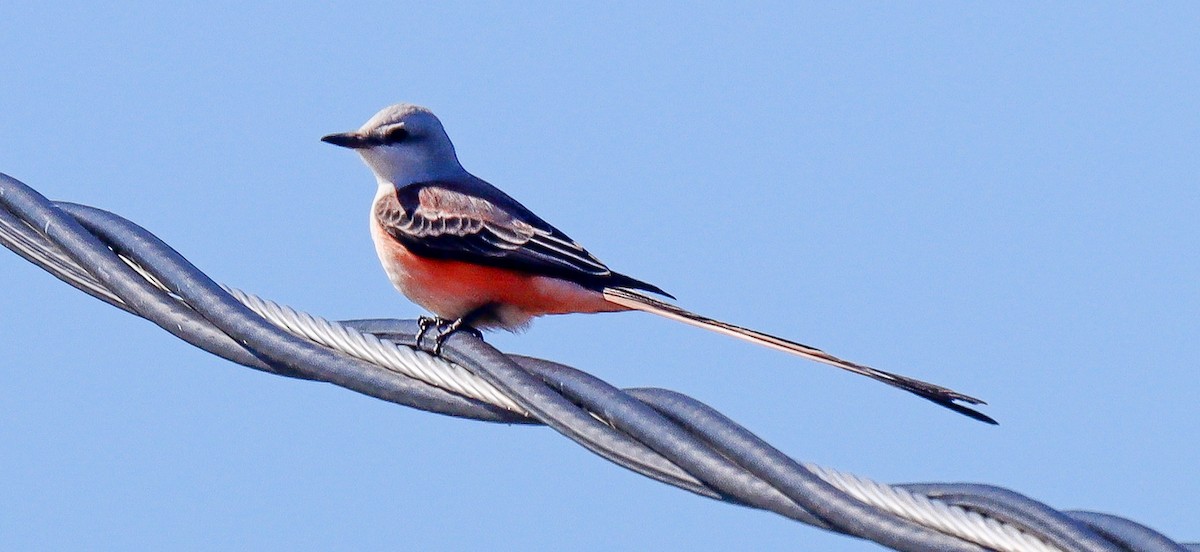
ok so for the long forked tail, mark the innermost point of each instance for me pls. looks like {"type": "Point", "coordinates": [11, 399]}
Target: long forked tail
{"type": "Point", "coordinates": [938, 394]}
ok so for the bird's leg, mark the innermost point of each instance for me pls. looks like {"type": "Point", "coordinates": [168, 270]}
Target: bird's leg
{"type": "Point", "coordinates": [465, 324]}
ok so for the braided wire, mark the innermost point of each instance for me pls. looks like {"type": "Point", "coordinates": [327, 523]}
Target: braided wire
{"type": "Point", "coordinates": [963, 517]}
{"type": "Point", "coordinates": [953, 520]}
{"type": "Point", "coordinates": [411, 362]}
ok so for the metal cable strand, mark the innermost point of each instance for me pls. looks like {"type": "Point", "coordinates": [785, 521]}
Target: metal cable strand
{"type": "Point", "coordinates": [658, 433]}
{"type": "Point", "coordinates": [947, 518]}
{"type": "Point", "coordinates": [210, 318]}
{"type": "Point", "coordinates": [1130, 534]}
{"type": "Point", "coordinates": [1017, 510]}
{"type": "Point", "coordinates": [405, 360]}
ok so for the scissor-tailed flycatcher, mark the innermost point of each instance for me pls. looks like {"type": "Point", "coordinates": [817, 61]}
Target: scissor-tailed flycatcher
{"type": "Point", "coordinates": [473, 256]}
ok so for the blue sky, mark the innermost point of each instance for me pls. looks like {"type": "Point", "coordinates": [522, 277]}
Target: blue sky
{"type": "Point", "coordinates": [1000, 199]}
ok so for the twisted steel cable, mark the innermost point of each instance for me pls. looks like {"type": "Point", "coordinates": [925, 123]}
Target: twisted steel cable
{"type": "Point", "coordinates": [658, 433]}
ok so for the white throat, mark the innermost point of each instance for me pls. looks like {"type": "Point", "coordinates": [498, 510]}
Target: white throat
{"type": "Point", "coordinates": [401, 166]}
{"type": "Point", "coordinates": [393, 172]}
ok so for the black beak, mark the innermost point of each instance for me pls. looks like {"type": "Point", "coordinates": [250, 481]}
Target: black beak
{"type": "Point", "coordinates": [351, 140]}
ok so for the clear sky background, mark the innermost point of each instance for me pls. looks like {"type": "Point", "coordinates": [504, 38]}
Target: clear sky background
{"type": "Point", "coordinates": [1003, 200]}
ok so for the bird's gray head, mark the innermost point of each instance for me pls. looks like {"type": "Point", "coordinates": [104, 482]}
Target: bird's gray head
{"type": "Point", "coordinates": [403, 144]}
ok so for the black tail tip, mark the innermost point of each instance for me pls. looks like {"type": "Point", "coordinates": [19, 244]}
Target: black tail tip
{"type": "Point", "coordinates": [948, 398]}
{"type": "Point", "coordinates": [969, 412]}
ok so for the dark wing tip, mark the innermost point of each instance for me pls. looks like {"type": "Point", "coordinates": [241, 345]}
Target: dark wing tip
{"type": "Point", "coordinates": [621, 280]}
{"type": "Point", "coordinates": [655, 289]}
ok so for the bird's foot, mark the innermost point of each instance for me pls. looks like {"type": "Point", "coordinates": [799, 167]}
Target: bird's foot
{"type": "Point", "coordinates": [426, 323]}
{"type": "Point", "coordinates": [446, 330]}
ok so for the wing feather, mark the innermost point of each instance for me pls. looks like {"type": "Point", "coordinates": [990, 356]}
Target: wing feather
{"type": "Point", "coordinates": [474, 222]}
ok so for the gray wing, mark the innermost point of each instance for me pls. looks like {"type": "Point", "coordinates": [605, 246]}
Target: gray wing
{"type": "Point", "coordinates": [445, 221]}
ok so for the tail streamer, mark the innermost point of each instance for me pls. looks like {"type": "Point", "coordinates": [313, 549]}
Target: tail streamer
{"type": "Point", "coordinates": [945, 397]}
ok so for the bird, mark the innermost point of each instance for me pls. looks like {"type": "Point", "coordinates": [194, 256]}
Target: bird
{"type": "Point", "coordinates": [478, 259]}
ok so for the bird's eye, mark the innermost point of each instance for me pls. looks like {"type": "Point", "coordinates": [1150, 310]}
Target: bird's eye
{"type": "Point", "coordinates": [395, 134]}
